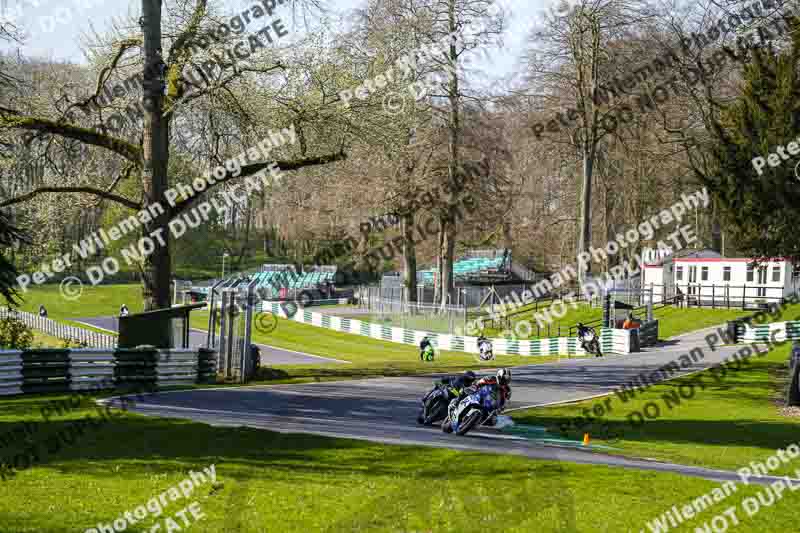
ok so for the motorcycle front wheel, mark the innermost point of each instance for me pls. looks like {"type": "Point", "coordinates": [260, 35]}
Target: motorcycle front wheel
{"type": "Point", "coordinates": [470, 419]}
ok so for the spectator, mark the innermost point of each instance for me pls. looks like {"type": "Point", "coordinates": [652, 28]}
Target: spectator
{"type": "Point", "coordinates": [123, 311]}
{"type": "Point", "coordinates": [42, 311]}
{"type": "Point", "coordinates": [630, 322]}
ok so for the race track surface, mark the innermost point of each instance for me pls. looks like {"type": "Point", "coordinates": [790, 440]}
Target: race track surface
{"type": "Point", "coordinates": [270, 355]}
{"type": "Point", "coordinates": [384, 410]}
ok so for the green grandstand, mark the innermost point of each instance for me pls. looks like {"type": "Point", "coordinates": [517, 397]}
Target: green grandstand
{"type": "Point", "coordinates": [469, 267]}
{"type": "Point", "coordinates": [272, 281]}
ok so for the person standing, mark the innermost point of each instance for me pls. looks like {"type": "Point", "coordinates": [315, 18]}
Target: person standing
{"type": "Point", "coordinates": [42, 311]}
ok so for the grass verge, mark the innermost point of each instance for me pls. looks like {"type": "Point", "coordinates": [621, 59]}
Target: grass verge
{"type": "Point", "coordinates": [276, 482]}
{"type": "Point", "coordinates": [731, 420]}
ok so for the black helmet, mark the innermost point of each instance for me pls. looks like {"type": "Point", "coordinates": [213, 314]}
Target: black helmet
{"type": "Point", "coordinates": [470, 375]}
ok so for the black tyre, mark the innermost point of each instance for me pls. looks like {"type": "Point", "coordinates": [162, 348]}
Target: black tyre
{"type": "Point", "coordinates": [437, 411]}
{"type": "Point", "coordinates": [446, 427]}
{"type": "Point", "coordinates": [596, 347]}
{"type": "Point", "coordinates": [469, 421]}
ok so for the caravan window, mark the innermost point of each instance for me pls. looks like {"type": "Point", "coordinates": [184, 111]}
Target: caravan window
{"type": "Point", "coordinates": [750, 273]}
{"type": "Point", "coordinates": [726, 273]}
{"type": "Point", "coordinates": [679, 273]}
{"type": "Point", "coordinates": [704, 274]}
{"type": "Point", "coordinates": [776, 273]}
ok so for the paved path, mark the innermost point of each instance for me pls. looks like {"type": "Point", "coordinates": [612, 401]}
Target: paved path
{"type": "Point", "coordinates": [384, 410]}
{"type": "Point", "coordinates": [270, 355]}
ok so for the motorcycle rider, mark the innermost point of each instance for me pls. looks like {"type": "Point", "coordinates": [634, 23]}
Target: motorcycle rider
{"type": "Point", "coordinates": [457, 385]}
{"type": "Point", "coordinates": [423, 345]}
{"type": "Point", "coordinates": [583, 333]}
{"type": "Point", "coordinates": [485, 347]}
{"type": "Point", "coordinates": [502, 381]}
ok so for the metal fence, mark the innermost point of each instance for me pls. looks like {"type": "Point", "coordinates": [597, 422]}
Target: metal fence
{"type": "Point", "coordinates": [230, 319]}
{"type": "Point", "coordinates": [715, 295]}
{"type": "Point", "coordinates": [388, 305]}
{"type": "Point", "coordinates": [61, 331]}
{"type": "Point", "coordinates": [472, 297]}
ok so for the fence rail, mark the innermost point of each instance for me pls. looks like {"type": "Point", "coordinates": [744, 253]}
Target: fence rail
{"type": "Point", "coordinates": [61, 331]}
{"type": "Point", "coordinates": [714, 295]}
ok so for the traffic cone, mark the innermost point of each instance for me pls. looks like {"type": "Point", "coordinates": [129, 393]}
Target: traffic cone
{"type": "Point", "coordinates": [585, 439]}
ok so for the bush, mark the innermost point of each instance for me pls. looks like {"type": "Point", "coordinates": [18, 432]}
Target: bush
{"type": "Point", "coordinates": [14, 334]}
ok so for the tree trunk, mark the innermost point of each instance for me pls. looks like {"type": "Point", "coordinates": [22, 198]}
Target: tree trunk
{"type": "Point", "coordinates": [585, 237]}
{"type": "Point", "coordinates": [409, 257]}
{"type": "Point", "coordinates": [157, 266]}
{"type": "Point", "coordinates": [448, 247]}
{"type": "Point", "coordinates": [453, 129]}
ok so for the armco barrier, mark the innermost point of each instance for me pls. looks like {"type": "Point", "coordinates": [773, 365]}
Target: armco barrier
{"type": "Point", "coordinates": [45, 370]}
{"type": "Point", "coordinates": [612, 341]}
{"type": "Point", "coordinates": [64, 370]}
{"type": "Point", "coordinates": [10, 373]}
{"type": "Point", "coordinates": [176, 367]}
{"type": "Point", "coordinates": [90, 369]}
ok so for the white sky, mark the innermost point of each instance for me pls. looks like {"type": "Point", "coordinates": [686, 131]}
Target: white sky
{"type": "Point", "coordinates": [62, 42]}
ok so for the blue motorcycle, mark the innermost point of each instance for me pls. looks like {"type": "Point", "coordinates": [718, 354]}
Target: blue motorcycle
{"type": "Point", "coordinates": [473, 410]}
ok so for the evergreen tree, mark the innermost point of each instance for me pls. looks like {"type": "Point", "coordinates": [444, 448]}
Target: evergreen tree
{"type": "Point", "coordinates": [8, 273]}
{"type": "Point", "coordinates": [762, 207]}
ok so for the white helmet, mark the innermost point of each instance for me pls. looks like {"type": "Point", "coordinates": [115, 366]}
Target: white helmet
{"type": "Point", "coordinates": [504, 376]}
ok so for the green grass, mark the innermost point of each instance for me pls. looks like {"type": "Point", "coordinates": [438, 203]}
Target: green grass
{"type": "Point", "coordinates": [42, 340]}
{"type": "Point", "coordinates": [434, 324]}
{"type": "Point", "coordinates": [101, 300]}
{"type": "Point", "coordinates": [733, 421]}
{"type": "Point", "coordinates": [301, 483]}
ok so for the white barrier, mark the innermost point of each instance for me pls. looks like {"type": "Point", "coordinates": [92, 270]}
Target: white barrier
{"type": "Point", "coordinates": [776, 331]}
{"type": "Point", "coordinates": [614, 341]}
{"type": "Point", "coordinates": [62, 331]}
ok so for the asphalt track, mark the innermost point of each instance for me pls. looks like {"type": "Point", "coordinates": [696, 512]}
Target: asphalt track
{"type": "Point", "coordinates": [384, 410]}
{"type": "Point", "coordinates": [270, 355]}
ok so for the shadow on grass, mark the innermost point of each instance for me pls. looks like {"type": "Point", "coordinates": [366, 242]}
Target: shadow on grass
{"type": "Point", "coordinates": [698, 419]}
{"type": "Point", "coordinates": [137, 445]}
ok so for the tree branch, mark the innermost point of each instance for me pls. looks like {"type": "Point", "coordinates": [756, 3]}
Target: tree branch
{"type": "Point", "coordinates": [10, 118]}
{"type": "Point", "coordinates": [87, 190]}
{"type": "Point", "coordinates": [249, 170]}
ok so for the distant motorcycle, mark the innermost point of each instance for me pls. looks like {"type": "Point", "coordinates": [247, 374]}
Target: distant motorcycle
{"type": "Point", "coordinates": [485, 349]}
{"type": "Point", "coordinates": [427, 353]}
{"type": "Point", "coordinates": [473, 410]}
{"type": "Point", "coordinates": [590, 342]}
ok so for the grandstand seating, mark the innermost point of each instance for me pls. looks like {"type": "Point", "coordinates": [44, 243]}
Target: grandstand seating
{"type": "Point", "coordinates": [292, 280]}
{"type": "Point", "coordinates": [466, 267]}
{"type": "Point", "coordinates": [272, 280]}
